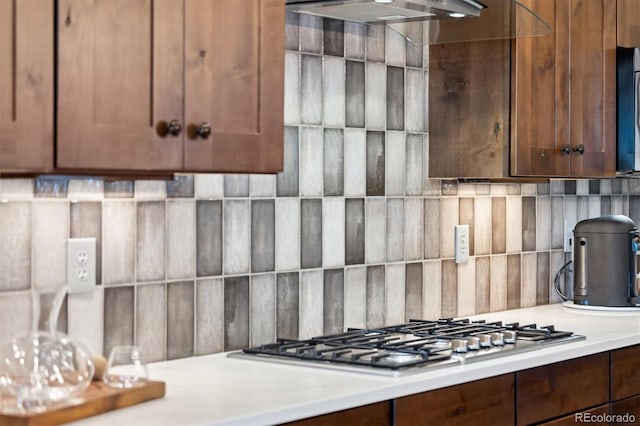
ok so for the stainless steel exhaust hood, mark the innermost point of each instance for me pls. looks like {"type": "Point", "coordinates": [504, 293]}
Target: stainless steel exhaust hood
{"type": "Point", "coordinates": [434, 21]}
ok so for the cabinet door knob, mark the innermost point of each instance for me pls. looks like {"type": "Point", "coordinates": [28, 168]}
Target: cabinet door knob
{"type": "Point", "coordinates": [565, 149]}
{"type": "Point", "coordinates": [579, 149]}
{"type": "Point", "coordinates": [199, 131]}
{"type": "Point", "coordinates": [172, 128]}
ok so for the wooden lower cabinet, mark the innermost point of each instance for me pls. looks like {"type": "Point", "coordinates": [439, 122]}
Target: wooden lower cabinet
{"type": "Point", "coordinates": [483, 402]}
{"type": "Point", "coordinates": [583, 417]}
{"type": "Point", "coordinates": [369, 415]}
{"type": "Point", "coordinates": [627, 408]}
{"type": "Point", "coordinates": [625, 372]}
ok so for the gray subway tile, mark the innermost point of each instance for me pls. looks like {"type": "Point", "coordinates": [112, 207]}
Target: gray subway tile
{"type": "Point", "coordinates": [310, 28]}
{"type": "Point", "coordinates": [395, 163]}
{"type": "Point", "coordinates": [180, 319]}
{"type": "Point", "coordinates": [375, 234]}
{"type": "Point", "coordinates": [432, 228]}
{"type": "Point", "coordinates": [181, 239]}
{"type": "Point", "coordinates": [333, 232]}
{"type": "Point", "coordinates": [395, 294]}
{"type": "Point", "coordinates": [263, 309]}
{"type": "Point", "coordinates": [415, 50]}
{"type": "Point", "coordinates": [150, 223]}
{"type": "Point", "coordinates": [209, 316]}
{"type": "Point", "coordinates": [482, 226]}
{"type": "Point", "coordinates": [467, 217]}
{"type": "Point", "coordinates": [236, 313]}
{"type": "Point", "coordinates": [498, 225]}
{"type": "Point", "coordinates": [395, 48]}
{"type": "Point", "coordinates": [355, 40]}
{"type": "Point", "coordinates": [543, 278]}
{"type": "Point", "coordinates": [375, 164]}
{"type": "Point", "coordinates": [311, 233]}
{"type": "Point", "coordinates": [354, 231]}
{"type": "Point", "coordinates": [334, 92]}
{"type": "Point", "coordinates": [414, 164]}
{"type": "Point", "coordinates": [287, 305]}
{"type": "Point", "coordinates": [413, 291]}
{"type": "Point", "coordinates": [292, 88]}
{"type": "Point", "coordinates": [263, 237]}
{"type": "Point", "coordinates": [395, 229]}
{"type": "Point", "coordinates": [208, 237]}
{"type": "Point", "coordinates": [86, 222]}
{"type": "Point", "coordinates": [151, 321]}
{"type": "Point", "coordinates": [311, 89]}
{"type": "Point", "coordinates": [616, 186]}
{"type": "Point", "coordinates": [118, 244]}
{"type": "Point", "coordinates": [311, 161]}
{"type": "Point", "coordinates": [292, 31]}
{"type": "Point", "coordinates": [416, 104]}
{"type": "Point", "coordinates": [287, 234]}
{"type": "Point", "coordinates": [236, 244]}
{"type": "Point", "coordinates": [355, 94]}
{"type": "Point", "coordinates": [311, 304]}
{"type": "Point", "coordinates": [333, 37]}
{"type": "Point", "coordinates": [355, 297]}
{"type": "Point", "coordinates": [413, 231]}
{"type": "Point", "coordinates": [333, 301]}
{"type": "Point", "coordinates": [375, 296]}
{"type": "Point", "coordinates": [395, 98]}
{"type": "Point", "coordinates": [333, 162]}
{"type": "Point", "coordinates": [287, 180]}
{"type": "Point", "coordinates": [119, 189]}
{"type": "Point", "coordinates": [51, 187]}
{"type": "Point", "coordinates": [449, 217]}
{"type": "Point", "coordinates": [236, 185]}
{"type": "Point", "coordinates": [50, 231]}
{"type": "Point", "coordinates": [594, 186]}
{"type": "Point", "coordinates": [557, 222]}
{"type": "Point", "coordinates": [15, 246]}
{"type": "Point", "coordinates": [262, 185]}
{"type": "Point", "coordinates": [513, 281]}
{"type": "Point", "coordinates": [449, 187]}
{"type": "Point", "coordinates": [376, 43]}
{"type": "Point", "coordinates": [181, 187]}
{"type": "Point", "coordinates": [209, 186]}
{"type": "Point", "coordinates": [528, 223]}
{"type": "Point", "coordinates": [543, 223]}
{"type": "Point", "coordinates": [570, 187]}
{"type": "Point", "coordinates": [355, 162]}
{"type": "Point", "coordinates": [376, 96]}
{"type": "Point", "coordinates": [432, 294]}
{"type": "Point", "coordinates": [449, 289]}
{"type": "Point", "coordinates": [483, 284]}
{"type": "Point", "coordinates": [118, 317]}
{"type": "Point", "coordinates": [605, 205]}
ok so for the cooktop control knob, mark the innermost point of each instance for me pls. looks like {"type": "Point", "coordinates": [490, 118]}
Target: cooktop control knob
{"type": "Point", "coordinates": [459, 345]}
{"type": "Point", "coordinates": [485, 340]}
{"type": "Point", "coordinates": [497, 339]}
{"type": "Point", "coordinates": [510, 337]}
{"type": "Point", "coordinates": [473, 343]}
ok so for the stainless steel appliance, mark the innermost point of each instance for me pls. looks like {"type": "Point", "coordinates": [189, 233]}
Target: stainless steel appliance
{"type": "Point", "coordinates": [411, 347]}
{"type": "Point", "coordinates": [605, 256]}
{"type": "Point", "coordinates": [628, 119]}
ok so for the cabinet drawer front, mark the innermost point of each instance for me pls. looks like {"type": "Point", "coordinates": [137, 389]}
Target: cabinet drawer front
{"type": "Point", "coordinates": [370, 415]}
{"type": "Point", "coordinates": [573, 419]}
{"type": "Point", "coordinates": [553, 390]}
{"type": "Point", "coordinates": [625, 372]}
{"type": "Point", "coordinates": [627, 407]}
{"type": "Point", "coordinates": [484, 402]}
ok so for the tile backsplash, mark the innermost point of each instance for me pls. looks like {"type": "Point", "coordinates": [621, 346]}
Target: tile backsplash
{"type": "Point", "coordinates": [352, 233]}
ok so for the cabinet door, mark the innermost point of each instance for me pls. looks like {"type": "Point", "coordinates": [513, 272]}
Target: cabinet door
{"type": "Point", "coordinates": [628, 23]}
{"type": "Point", "coordinates": [378, 414]}
{"type": "Point", "coordinates": [26, 84]}
{"type": "Point", "coordinates": [626, 408]}
{"type": "Point", "coordinates": [234, 82]}
{"type": "Point", "coordinates": [120, 77]}
{"type": "Point", "coordinates": [625, 372]}
{"type": "Point", "coordinates": [597, 413]}
{"type": "Point", "coordinates": [593, 92]}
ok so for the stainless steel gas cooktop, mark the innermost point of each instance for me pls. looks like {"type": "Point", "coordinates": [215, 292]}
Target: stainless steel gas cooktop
{"type": "Point", "coordinates": [411, 347]}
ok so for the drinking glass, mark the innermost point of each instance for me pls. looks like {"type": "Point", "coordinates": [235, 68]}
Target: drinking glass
{"type": "Point", "coordinates": [126, 368]}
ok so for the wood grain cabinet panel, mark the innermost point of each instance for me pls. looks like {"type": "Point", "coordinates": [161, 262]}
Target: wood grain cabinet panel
{"type": "Point", "coordinates": [577, 418]}
{"type": "Point", "coordinates": [625, 372]}
{"type": "Point", "coordinates": [626, 407]}
{"type": "Point", "coordinates": [628, 23]}
{"type": "Point", "coordinates": [554, 390]}
{"type": "Point", "coordinates": [26, 85]}
{"type": "Point", "coordinates": [176, 85]}
{"type": "Point", "coordinates": [369, 415]}
{"type": "Point", "coordinates": [483, 402]}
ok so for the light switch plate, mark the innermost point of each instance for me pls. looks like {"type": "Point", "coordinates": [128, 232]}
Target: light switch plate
{"type": "Point", "coordinates": [461, 235]}
{"type": "Point", "coordinates": [81, 265]}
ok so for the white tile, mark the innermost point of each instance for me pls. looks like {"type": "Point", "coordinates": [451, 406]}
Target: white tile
{"type": "Point", "coordinates": [237, 237]}
{"type": "Point", "coordinates": [557, 222]}
{"type": "Point", "coordinates": [605, 186]}
{"type": "Point", "coordinates": [413, 228]}
{"type": "Point", "coordinates": [394, 294]}
{"type": "Point", "coordinates": [209, 186]}
{"type": "Point", "coordinates": [376, 96]}
{"type": "Point", "coordinates": [543, 223]}
{"type": "Point", "coordinates": [287, 234]}
{"type": "Point", "coordinates": [466, 189]}
{"type": "Point", "coordinates": [355, 162]}
{"type": "Point", "coordinates": [529, 280]}
{"type": "Point", "coordinates": [482, 225]}
{"type": "Point", "coordinates": [311, 161]}
{"type": "Point", "coordinates": [414, 164]}
{"type": "Point", "coordinates": [395, 48]}
{"type": "Point", "coordinates": [15, 245]}
{"type": "Point", "coordinates": [15, 314]}
{"type": "Point", "coordinates": [529, 189]}
{"type": "Point", "coordinates": [85, 313]}
{"type": "Point", "coordinates": [467, 288]}
{"type": "Point", "coordinates": [151, 320]}
{"type": "Point", "coordinates": [582, 187]}
{"type": "Point", "coordinates": [375, 235]}
{"type": "Point", "coordinates": [181, 239]}
{"type": "Point", "coordinates": [311, 304]}
{"type": "Point", "coordinates": [262, 185]}
{"type": "Point", "coordinates": [263, 309]}
{"type": "Point", "coordinates": [571, 210]}
{"type": "Point", "coordinates": [50, 221]}
{"type": "Point", "coordinates": [617, 205]}
{"type": "Point", "coordinates": [594, 206]}
{"type": "Point", "coordinates": [210, 316]}
{"type": "Point", "coordinates": [498, 189]}
{"type": "Point", "coordinates": [498, 293]}
{"type": "Point", "coordinates": [514, 224]}
{"type": "Point", "coordinates": [432, 290]}
{"type": "Point", "coordinates": [333, 232]}
{"type": "Point", "coordinates": [395, 229]}
{"type": "Point", "coordinates": [582, 208]}
{"type": "Point", "coordinates": [429, 186]}
{"type": "Point", "coordinates": [334, 91]}
{"type": "Point", "coordinates": [395, 163]}
{"type": "Point", "coordinates": [291, 88]}
{"type": "Point", "coordinates": [310, 89]}
{"type": "Point", "coordinates": [16, 189]}
{"type": "Point", "coordinates": [355, 297]}
{"type": "Point", "coordinates": [85, 189]}
{"type": "Point", "coordinates": [449, 218]}
{"type": "Point", "coordinates": [118, 241]}
{"type": "Point", "coordinates": [415, 115]}
{"type": "Point", "coordinates": [148, 189]}
{"type": "Point", "coordinates": [310, 33]}
{"type": "Point", "coordinates": [354, 40]}
{"type": "Point", "coordinates": [557, 261]}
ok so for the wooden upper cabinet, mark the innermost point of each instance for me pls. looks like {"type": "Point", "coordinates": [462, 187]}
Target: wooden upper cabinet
{"type": "Point", "coordinates": [26, 85]}
{"type": "Point", "coordinates": [174, 85]}
{"type": "Point", "coordinates": [628, 23]}
{"type": "Point", "coordinates": [563, 92]}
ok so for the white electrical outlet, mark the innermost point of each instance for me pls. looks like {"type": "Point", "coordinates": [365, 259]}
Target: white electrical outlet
{"type": "Point", "coordinates": [461, 243]}
{"type": "Point", "coordinates": [81, 265]}
{"type": "Point", "coordinates": [568, 237]}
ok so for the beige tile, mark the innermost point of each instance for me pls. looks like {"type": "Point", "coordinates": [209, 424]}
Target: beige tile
{"type": "Point", "coordinates": [180, 319]}
{"type": "Point", "coordinates": [148, 190]}
{"type": "Point", "coordinates": [557, 261]}
{"type": "Point", "coordinates": [543, 277]}
{"type": "Point", "coordinates": [482, 226]}
{"type": "Point", "coordinates": [432, 233]}
{"type": "Point", "coordinates": [210, 316]}
{"type": "Point", "coordinates": [395, 294]}
{"type": "Point", "coordinates": [118, 317]}
{"type": "Point", "coordinates": [529, 287]}
{"type": "Point", "coordinates": [543, 223]}
{"type": "Point", "coordinates": [151, 321]}
{"type": "Point", "coordinates": [355, 297]}
{"type": "Point", "coordinates": [467, 288]}
{"type": "Point", "coordinates": [209, 186]}
{"type": "Point", "coordinates": [466, 216]}
{"type": "Point", "coordinates": [50, 221]}
{"type": "Point", "coordinates": [311, 304]}
{"type": "Point", "coordinates": [514, 225]}
{"type": "Point", "coordinates": [449, 289]}
{"type": "Point", "coordinates": [449, 218]}
{"type": "Point", "coordinates": [15, 246]}
{"type": "Point", "coordinates": [263, 310]}
{"type": "Point", "coordinates": [432, 290]}
{"type": "Point", "coordinates": [413, 291]}
{"type": "Point", "coordinates": [15, 314]}
{"type": "Point", "coordinates": [85, 312]}
{"type": "Point", "coordinates": [181, 239]}
{"type": "Point", "coordinates": [498, 225]}
{"type": "Point", "coordinates": [150, 245]}
{"type": "Point", "coordinates": [118, 241]}
{"type": "Point", "coordinates": [236, 244]}
{"type": "Point", "coordinates": [498, 283]}
{"type": "Point", "coordinates": [16, 189]}
{"type": "Point", "coordinates": [86, 189]}
{"type": "Point", "coordinates": [514, 281]}
{"type": "Point", "coordinates": [395, 229]}
{"type": "Point", "coordinates": [483, 284]}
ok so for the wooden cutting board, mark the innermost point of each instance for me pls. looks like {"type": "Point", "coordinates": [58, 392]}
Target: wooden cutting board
{"type": "Point", "coordinates": [97, 399]}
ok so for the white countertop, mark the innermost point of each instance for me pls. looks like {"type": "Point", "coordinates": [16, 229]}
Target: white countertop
{"type": "Point", "coordinates": [214, 389]}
